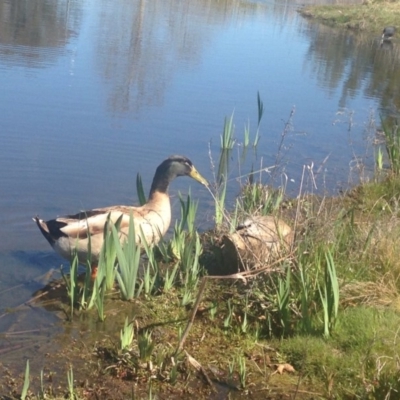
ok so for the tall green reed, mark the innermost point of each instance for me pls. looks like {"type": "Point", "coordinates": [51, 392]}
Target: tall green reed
{"type": "Point", "coordinates": [140, 191]}
{"type": "Point", "coordinates": [108, 253]}
{"type": "Point", "coordinates": [71, 283]}
{"type": "Point", "coordinates": [329, 294]}
{"type": "Point", "coordinates": [190, 268]}
{"type": "Point", "coordinates": [283, 300]}
{"type": "Point", "coordinates": [392, 140]}
{"type": "Point", "coordinates": [128, 258]}
{"type": "Point", "coordinates": [306, 298]}
{"type": "Point", "coordinates": [188, 213]}
{"type": "Point", "coordinates": [227, 139]}
{"type": "Point", "coordinates": [260, 110]}
{"type": "Point", "coordinates": [221, 187]}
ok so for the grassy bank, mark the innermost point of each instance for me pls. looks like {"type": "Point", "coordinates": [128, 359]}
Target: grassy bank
{"type": "Point", "coordinates": [371, 15]}
{"type": "Point", "coordinates": [319, 318]}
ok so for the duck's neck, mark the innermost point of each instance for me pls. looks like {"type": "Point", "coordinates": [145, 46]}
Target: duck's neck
{"type": "Point", "coordinates": [158, 201]}
{"type": "Point", "coordinates": [161, 182]}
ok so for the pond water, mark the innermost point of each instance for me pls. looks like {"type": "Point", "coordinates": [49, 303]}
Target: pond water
{"type": "Point", "coordinates": [95, 91]}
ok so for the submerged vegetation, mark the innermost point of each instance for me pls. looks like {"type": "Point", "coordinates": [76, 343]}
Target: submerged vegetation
{"type": "Point", "coordinates": [319, 319]}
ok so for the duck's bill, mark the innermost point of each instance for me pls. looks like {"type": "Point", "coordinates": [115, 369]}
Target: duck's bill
{"type": "Point", "coordinates": [196, 175]}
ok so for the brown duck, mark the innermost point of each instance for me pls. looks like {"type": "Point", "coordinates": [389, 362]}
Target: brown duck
{"type": "Point", "coordinates": [73, 233]}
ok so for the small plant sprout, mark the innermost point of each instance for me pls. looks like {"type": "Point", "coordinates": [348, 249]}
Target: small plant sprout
{"type": "Point", "coordinates": [190, 267]}
{"type": "Point", "coordinates": [146, 346]}
{"type": "Point", "coordinates": [246, 135]}
{"type": "Point", "coordinates": [25, 387]}
{"type": "Point", "coordinates": [173, 374]}
{"type": "Point", "coordinates": [151, 277]}
{"type": "Point", "coordinates": [180, 332]}
{"type": "Point", "coordinates": [244, 326]}
{"type": "Point", "coordinates": [127, 335]}
{"type": "Point", "coordinates": [87, 287]}
{"type": "Point", "coordinates": [228, 318]}
{"type": "Point", "coordinates": [242, 371]}
{"type": "Point", "coordinates": [71, 283]}
{"type": "Point", "coordinates": [177, 244]}
{"type": "Point", "coordinates": [187, 297]}
{"type": "Point", "coordinates": [379, 160]}
{"type": "Point", "coordinates": [41, 393]}
{"type": "Point", "coordinates": [257, 331]}
{"type": "Point", "coordinates": [70, 378]}
{"type": "Point", "coordinates": [231, 369]}
{"type": "Point", "coordinates": [213, 310]}
{"type": "Point", "coordinates": [170, 277]}
{"type": "Point", "coordinates": [99, 290]}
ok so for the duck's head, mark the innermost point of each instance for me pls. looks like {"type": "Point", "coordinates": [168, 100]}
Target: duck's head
{"type": "Point", "coordinates": [173, 167]}
{"type": "Point", "coordinates": [388, 32]}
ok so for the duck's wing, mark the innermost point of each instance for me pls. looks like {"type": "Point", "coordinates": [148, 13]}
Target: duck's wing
{"type": "Point", "coordinates": [88, 223]}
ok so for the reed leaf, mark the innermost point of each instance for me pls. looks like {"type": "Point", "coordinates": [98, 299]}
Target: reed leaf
{"type": "Point", "coordinates": [25, 387]}
{"type": "Point", "coordinates": [227, 140]}
{"type": "Point", "coordinates": [126, 335]}
{"type": "Point", "coordinates": [140, 190]}
{"type": "Point", "coordinates": [128, 257]}
{"type": "Point", "coordinates": [392, 140]}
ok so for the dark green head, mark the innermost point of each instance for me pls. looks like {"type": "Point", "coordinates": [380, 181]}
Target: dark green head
{"type": "Point", "coordinates": [171, 168]}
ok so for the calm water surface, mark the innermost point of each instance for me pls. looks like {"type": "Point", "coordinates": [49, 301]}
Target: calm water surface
{"type": "Point", "coordinates": [94, 91]}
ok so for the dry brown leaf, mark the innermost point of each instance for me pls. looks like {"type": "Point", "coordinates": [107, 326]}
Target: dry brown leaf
{"type": "Point", "coordinates": [281, 368]}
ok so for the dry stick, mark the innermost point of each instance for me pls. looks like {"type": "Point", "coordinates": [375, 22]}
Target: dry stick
{"type": "Point", "coordinates": [201, 369]}
{"type": "Point", "coordinates": [190, 322]}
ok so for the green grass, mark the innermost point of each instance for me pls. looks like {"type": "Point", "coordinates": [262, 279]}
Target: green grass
{"type": "Point", "coordinates": [370, 16]}
{"type": "Point", "coordinates": [356, 361]}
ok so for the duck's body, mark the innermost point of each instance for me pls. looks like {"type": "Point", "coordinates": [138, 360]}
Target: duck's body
{"type": "Point", "coordinates": [79, 232]}
{"type": "Point", "coordinates": [72, 233]}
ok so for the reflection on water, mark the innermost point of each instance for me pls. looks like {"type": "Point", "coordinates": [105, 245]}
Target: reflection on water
{"type": "Point", "coordinates": [354, 63]}
{"type": "Point", "coordinates": [150, 42]}
{"type": "Point", "coordinates": [33, 32]}
{"type": "Point", "coordinates": [95, 91]}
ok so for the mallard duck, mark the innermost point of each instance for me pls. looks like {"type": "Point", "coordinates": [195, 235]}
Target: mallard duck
{"type": "Point", "coordinates": [73, 233]}
{"type": "Point", "coordinates": [388, 32]}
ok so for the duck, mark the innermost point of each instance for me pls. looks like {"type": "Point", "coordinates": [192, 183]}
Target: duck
{"type": "Point", "coordinates": [388, 33]}
{"type": "Point", "coordinates": [75, 234]}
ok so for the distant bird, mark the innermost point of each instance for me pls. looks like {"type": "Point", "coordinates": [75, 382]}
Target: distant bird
{"type": "Point", "coordinates": [79, 232]}
{"type": "Point", "coordinates": [388, 33]}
